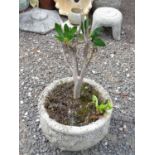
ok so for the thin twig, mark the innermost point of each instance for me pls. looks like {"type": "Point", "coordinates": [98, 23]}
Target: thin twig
{"type": "Point", "coordinates": [74, 61]}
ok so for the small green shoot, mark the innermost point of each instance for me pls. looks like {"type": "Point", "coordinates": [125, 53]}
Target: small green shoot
{"type": "Point", "coordinates": [103, 106]}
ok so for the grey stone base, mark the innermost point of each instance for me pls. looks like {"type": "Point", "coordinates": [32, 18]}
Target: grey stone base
{"type": "Point", "coordinates": [39, 20]}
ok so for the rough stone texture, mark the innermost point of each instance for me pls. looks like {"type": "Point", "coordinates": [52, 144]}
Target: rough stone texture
{"type": "Point", "coordinates": [41, 62]}
{"type": "Point", "coordinates": [39, 20]}
{"type": "Point", "coordinates": [73, 138]}
{"type": "Point", "coordinates": [108, 17]}
{"type": "Point", "coordinates": [107, 3]}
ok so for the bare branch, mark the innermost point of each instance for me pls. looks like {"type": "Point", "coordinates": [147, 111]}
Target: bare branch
{"type": "Point", "coordinates": [74, 61]}
{"type": "Point", "coordinates": [86, 62]}
{"type": "Point", "coordinates": [86, 47]}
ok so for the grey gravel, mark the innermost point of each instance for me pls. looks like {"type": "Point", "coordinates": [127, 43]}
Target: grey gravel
{"type": "Point", "coordinates": [41, 62]}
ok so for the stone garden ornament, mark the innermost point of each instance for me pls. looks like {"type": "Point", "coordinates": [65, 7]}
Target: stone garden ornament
{"type": "Point", "coordinates": [108, 17]}
{"type": "Point", "coordinates": [75, 16]}
{"type": "Point", "coordinates": [23, 5]}
{"type": "Point", "coordinates": [65, 6]}
{"type": "Point", "coordinates": [86, 126]}
{"type": "Point", "coordinates": [39, 20]}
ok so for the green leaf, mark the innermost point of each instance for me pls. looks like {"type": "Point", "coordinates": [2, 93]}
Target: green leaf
{"type": "Point", "coordinates": [69, 33]}
{"type": "Point", "coordinates": [58, 29]}
{"type": "Point", "coordinates": [108, 105]}
{"type": "Point", "coordinates": [96, 33]}
{"type": "Point", "coordinates": [73, 30]}
{"type": "Point", "coordinates": [66, 28]}
{"type": "Point", "coordinates": [102, 108]}
{"type": "Point", "coordinates": [95, 100]}
{"type": "Point", "coordinates": [98, 42]}
{"type": "Point", "coordinates": [86, 23]}
{"type": "Point", "coordinates": [60, 38]}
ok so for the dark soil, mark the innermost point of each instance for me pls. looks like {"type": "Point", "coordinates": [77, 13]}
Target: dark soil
{"type": "Point", "coordinates": [61, 106]}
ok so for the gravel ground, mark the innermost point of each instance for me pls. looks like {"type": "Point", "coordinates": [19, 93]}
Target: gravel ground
{"type": "Point", "coordinates": [41, 62]}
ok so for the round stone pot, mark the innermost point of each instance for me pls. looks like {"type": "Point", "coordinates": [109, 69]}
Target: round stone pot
{"type": "Point", "coordinates": [73, 138]}
{"type": "Point", "coordinates": [75, 16]}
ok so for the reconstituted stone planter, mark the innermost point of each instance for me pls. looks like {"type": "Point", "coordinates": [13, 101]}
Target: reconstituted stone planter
{"type": "Point", "coordinates": [73, 138]}
{"type": "Point", "coordinates": [107, 3]}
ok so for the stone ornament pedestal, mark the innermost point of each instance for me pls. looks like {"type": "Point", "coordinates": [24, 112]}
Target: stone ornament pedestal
{"type": "Point", "coordinates": [108, 17]}
{"type": "Point", "coordinates": [39, 20]}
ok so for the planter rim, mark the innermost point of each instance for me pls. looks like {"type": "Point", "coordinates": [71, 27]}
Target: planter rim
{"type": "Point", "coordinates": [73, 130]}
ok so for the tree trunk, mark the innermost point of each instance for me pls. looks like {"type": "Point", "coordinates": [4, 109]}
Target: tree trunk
{"type": "Point", "coordinates": [77, 88]}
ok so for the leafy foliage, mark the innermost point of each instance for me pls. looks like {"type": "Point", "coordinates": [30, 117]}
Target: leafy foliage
{"type": "Point", "coordinates": [103, 106]}
{"type": "Point", "coordinates": [95, 36]}
{"type": "Point", "coordinates": [66, 34]}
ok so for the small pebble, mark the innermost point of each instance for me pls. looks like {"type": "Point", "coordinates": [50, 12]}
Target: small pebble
{"type": "Point", "coordinates": [39, 59]}
{"type": "Point", "coordinates": [124, 126]}
{"type": "Point", "coordinates": [37, 120]}
{"type": "Point", "coordinates": [127, 75]}
{"type": "Point", "coordinates": [122, 33]}
{"type": "Point", "coordinates": [117, 106]}
{"type": "Point", "coordinates": [94, 72]}
{"type": "Point", "coordinates": [117, 63]}
{"type": "Point", "coordinates": [116, 98]}
{"type": "Point", "coordinates": [35, 78]}
{"type": "Point", "coordinates": [29, 94]}
{"type": "Point", "coordinates": [117, 91]}
{"type": "Point", "coordinates": [111, 55]}
{"type": "Point", "coordinates": [121, 129]}
{"type": "Point", "coordinates": [26, 113]}
{"type": "Point", "coordinates": [21, 102]}
{"type": "Point", "coordinates": [22, 83]}
{"type": "Point", "coordinates": [30, 88]}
